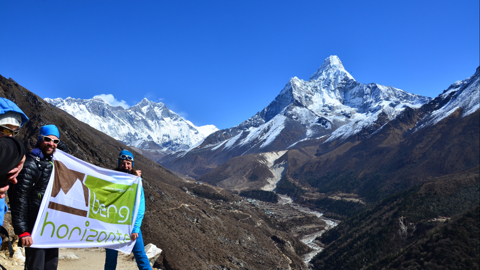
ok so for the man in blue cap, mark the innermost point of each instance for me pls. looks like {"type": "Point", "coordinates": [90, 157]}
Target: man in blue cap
{"type": "Point", "coordinates": [27, 197]}
{"type": "Point", "coordinates": [125, 164]}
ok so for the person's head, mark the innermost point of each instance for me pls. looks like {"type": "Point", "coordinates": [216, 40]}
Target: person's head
{"type": "Point", "coordinates": [48, 139]}
{"type": "Point", "coordinates": [9, 124]}
{"type": "Point", "coordinates": [11, 118]}
{"type": "Point", "coordinates": [125, 161]}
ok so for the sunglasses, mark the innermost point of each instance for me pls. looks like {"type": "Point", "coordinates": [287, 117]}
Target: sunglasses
{"type": "Point", "coordinates": [123, 157]}
{"type": "Point", "coordinates": [8, 131]}
{"type": "Point", "coordinates": [48, 139]}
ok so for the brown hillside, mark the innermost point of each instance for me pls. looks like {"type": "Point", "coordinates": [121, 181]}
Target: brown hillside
{"type": "Point", "coordinates": [431, 226]}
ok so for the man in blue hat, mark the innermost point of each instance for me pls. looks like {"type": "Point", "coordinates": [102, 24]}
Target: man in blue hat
{"type": "Point", "coordinates": [27, 197]}
{"type": "Point", "coordinates": [125, 164]}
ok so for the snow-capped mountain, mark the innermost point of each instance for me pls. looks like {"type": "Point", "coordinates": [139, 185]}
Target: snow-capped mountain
{"type": "Point", "coordinates": [464, 94]}
{"type": "Point", "coordinates": [437, 139]}
{"type": "Point", "coordinates": [147, 125]}
{"type": "Point", "coordinates": [330, 104]}
{"type": "Point", "coordinates": [332, 101]}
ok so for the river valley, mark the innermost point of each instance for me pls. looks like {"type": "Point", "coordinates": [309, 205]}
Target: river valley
{"type": "Point", "coordinates": [304, 223]}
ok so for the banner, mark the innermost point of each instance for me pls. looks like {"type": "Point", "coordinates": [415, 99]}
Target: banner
{"type": "Point", "coordinates": [86, 206]}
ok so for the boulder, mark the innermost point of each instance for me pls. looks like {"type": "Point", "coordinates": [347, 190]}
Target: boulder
{"type": "Point", "coordinates": [153, 252]}
{"type": "Point", "coordinates": [18, 255]}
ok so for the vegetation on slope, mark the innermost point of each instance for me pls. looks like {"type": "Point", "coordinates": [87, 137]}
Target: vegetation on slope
{"type": "Point", "coordinates": [266, 196]}
{"type": "Point", "coordinates": [416, 226]}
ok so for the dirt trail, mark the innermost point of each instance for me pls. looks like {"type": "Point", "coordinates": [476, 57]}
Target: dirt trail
{"type": "Point", "coordinates": [91, 259]}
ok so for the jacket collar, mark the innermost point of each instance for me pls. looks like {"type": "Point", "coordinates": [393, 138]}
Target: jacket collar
{"type": "Point", "coordinates": [38, 154]}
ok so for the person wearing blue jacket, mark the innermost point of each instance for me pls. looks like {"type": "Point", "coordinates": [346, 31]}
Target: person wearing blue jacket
{"type": "Point", "coordinates": [13, 152]}
{"type": "Point", "coordinates": [125, 164]}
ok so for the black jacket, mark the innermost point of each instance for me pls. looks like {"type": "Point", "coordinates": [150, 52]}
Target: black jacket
{"type": "Point", "coordinates": [11, 153]}
{"type": "Point", "coordinates": [28, 192]}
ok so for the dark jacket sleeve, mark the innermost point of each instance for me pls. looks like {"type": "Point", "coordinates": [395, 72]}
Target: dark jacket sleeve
{"type": "Point", "coordinates": [11, 153]}
{"type": "Point", "coordinates": [19, 203]}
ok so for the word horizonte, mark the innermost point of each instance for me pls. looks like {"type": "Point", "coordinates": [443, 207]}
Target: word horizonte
{"type": "Point", "coordinates": [63, 230]}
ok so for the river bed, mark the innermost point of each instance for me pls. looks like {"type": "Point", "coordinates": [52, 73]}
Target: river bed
{"type": "Point", "coordinates": [309, 239]}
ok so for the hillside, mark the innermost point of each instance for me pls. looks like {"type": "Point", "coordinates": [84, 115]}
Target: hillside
{"type": "Point", "coordinates": [431, 226]}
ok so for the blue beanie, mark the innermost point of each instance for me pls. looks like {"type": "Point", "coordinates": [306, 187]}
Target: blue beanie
{"type": "Point", "coordinates": [124, 153]}
{"type": "Point", "coordinates": [49, 130]}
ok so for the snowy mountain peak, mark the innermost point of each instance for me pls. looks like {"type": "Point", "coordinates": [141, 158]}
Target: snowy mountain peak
{"type": "Point", "coordinates": [144, 101]}
{"type": "Point", "coordinates": [146, 125]}
{"type": "Point", "coordinates": [333, 61]}
{"type": "Point", "coordinates": [331, 67]}
{"type": "Point", "coordinates": [148, 103]}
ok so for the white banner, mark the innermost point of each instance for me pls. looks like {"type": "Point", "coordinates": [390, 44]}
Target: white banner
{"type": "Point", "coordinates": [87, 206]}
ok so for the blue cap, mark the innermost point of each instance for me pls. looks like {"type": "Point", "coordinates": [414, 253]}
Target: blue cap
{"type": "Point", "coordinates": [49, 130]}
{"type": "Point", "coordinates": [7, 105]}
{"type": "Point", "coordinates": [125, 154]}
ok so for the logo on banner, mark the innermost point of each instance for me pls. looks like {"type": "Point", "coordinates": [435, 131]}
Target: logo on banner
{"type": "Point", "coordinates": [71, 183]}
{"type": "Point", "coordinates": [111, 203]}
{"type": "Point", "coordinates": [102, 200]}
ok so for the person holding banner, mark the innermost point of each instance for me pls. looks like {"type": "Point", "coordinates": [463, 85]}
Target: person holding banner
{"type": "Point", "coordinates": [125, 164]}
{"type": "Point", "coordinates": [27, 197]}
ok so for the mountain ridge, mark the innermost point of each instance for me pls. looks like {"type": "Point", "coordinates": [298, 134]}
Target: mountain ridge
{"type": "Point", "coordinates": [146, 125]}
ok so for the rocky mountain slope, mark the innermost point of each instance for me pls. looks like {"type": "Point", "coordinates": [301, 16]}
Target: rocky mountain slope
{"type": "Point", "coordinates": [431, 226]}
{"type": "Point", "coordinates": [196, 226]}
{"type": "Point", "coordinates": [147, 125]}
{"type": "Point", "coordinates": [331, 104]}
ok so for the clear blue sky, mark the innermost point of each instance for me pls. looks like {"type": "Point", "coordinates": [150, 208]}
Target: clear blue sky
{"type": "Point", "coordinates": [220, 62]}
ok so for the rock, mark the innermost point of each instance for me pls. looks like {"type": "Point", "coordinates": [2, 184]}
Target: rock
{"type": "Point", "coordinates": [153, 252]}
{"type": "Point", "coordinates": [68, 256]}
{"type": "Point", "coordinates": [18, 255]}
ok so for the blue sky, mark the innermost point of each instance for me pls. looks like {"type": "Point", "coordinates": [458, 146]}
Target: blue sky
{"type": "Point", "coordinates": [220, 62]}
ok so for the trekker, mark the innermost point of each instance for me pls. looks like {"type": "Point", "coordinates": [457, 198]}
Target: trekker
{"type": "Point", "coordinates": [125, 164]}
{"type": "Point", "coordinates": [27, 197]}
{"type": "Point", "coordinates": [12, 151]}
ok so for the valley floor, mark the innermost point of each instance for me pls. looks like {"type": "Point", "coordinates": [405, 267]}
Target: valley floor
{"type": "Point", "coordinates": [302, 222]}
